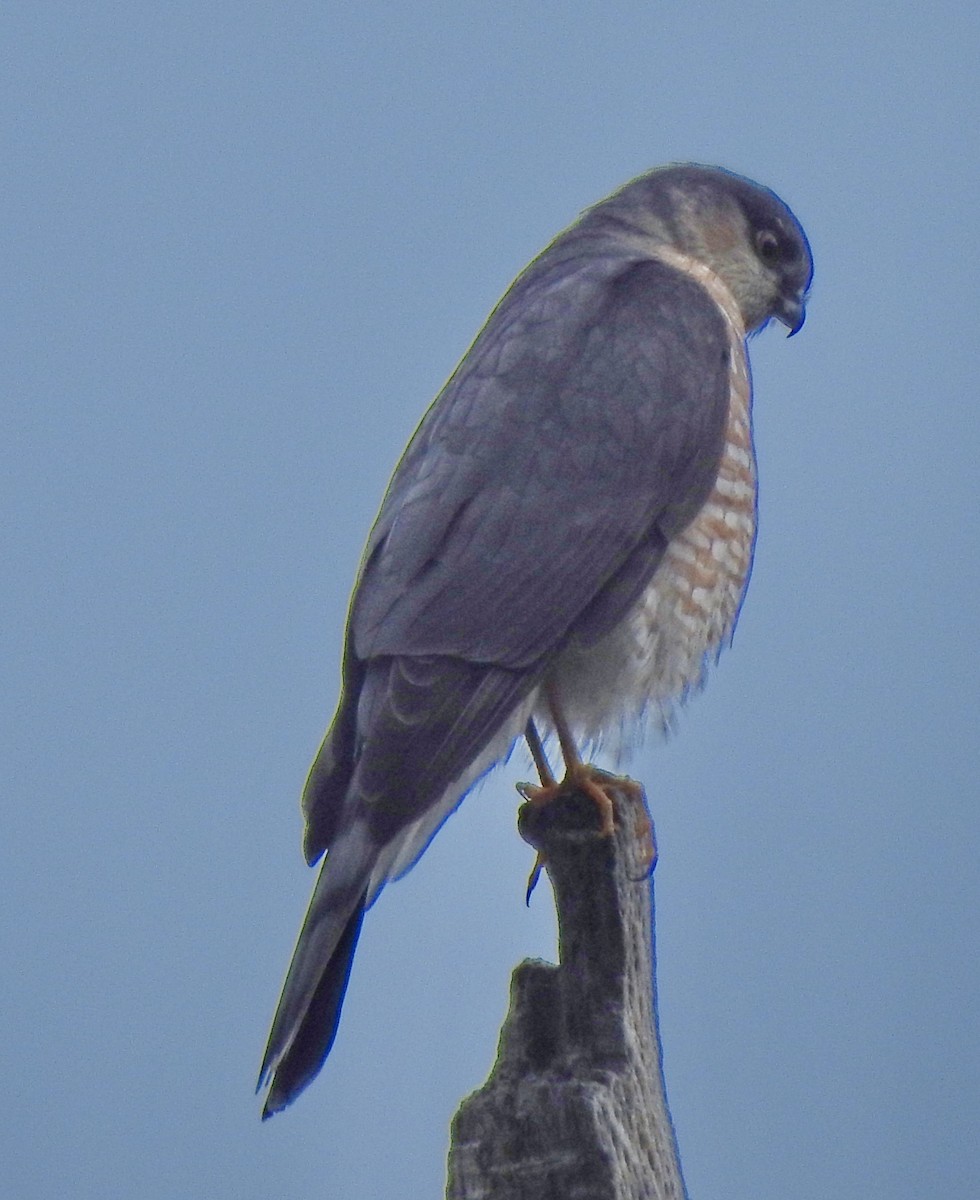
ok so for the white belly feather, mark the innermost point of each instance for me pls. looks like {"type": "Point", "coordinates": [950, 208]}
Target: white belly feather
{"type": "Point", "coordinates": [661, 653]}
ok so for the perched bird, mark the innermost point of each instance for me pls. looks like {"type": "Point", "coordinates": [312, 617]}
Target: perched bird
{"type": "Point", "coordinates": [565, 543]}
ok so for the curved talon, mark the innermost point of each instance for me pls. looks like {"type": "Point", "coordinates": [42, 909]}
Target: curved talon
{"type": "Point", "coordinates": [542, 794]}
{"type": "Point", "coordinates": [645, 832]}
{"type": "Point", "coordinates": [532, 879]}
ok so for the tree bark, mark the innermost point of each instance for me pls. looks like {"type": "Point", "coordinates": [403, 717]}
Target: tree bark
{"type": "Point", "coordinates": [575, 1108]}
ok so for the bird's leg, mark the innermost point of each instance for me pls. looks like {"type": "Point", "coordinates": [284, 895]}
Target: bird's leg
{"type": "Point", "coordinates": [541, 764]}
{"type": "Point", "coordinates": [543, 768]}
{"type": "Point", "coordinates": [579, 776]}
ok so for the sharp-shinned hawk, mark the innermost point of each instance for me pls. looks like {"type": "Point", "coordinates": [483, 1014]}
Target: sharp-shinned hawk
{"type": "Point", "coordinates": [566, 542]}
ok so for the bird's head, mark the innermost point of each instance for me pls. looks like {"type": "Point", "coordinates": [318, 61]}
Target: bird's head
{"type": "Point", "coordinates": [738, 229]}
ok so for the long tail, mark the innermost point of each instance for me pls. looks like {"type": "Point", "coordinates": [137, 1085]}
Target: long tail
{"type": "Point", "coordinates": [305, 1024]}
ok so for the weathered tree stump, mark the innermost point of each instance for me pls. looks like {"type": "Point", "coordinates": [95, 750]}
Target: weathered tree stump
{"type": "Point", "coordinates": [575, 1108]}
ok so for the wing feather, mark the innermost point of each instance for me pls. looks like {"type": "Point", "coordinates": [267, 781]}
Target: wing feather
{"type": "Point", "coordinates": [570, 433]}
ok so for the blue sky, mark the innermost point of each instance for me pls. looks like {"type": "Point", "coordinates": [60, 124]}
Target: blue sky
{"type": "Point", "coordinates": [244, 246]}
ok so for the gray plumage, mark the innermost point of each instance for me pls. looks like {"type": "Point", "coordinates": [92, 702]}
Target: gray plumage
{"type": "Point", "coordinates": [577, 440]}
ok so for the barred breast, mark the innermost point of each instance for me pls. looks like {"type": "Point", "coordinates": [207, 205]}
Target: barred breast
{"type": "Point", "coordinates": [661, 653]}
{"type": "Point", "coordinates": [689, 611]}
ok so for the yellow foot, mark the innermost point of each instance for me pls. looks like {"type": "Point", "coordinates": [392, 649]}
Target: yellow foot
{"type": "Point", "coordinates": [595, 783]}
{"type": "Point", "coordinates": [598, 785]}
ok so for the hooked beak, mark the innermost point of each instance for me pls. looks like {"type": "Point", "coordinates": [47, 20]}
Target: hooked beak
{"type": "Point", "coordinates": [792, 313]}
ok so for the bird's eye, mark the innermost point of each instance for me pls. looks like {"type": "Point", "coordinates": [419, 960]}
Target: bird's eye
{"type": "Point", "coordinates": [767, 247]}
